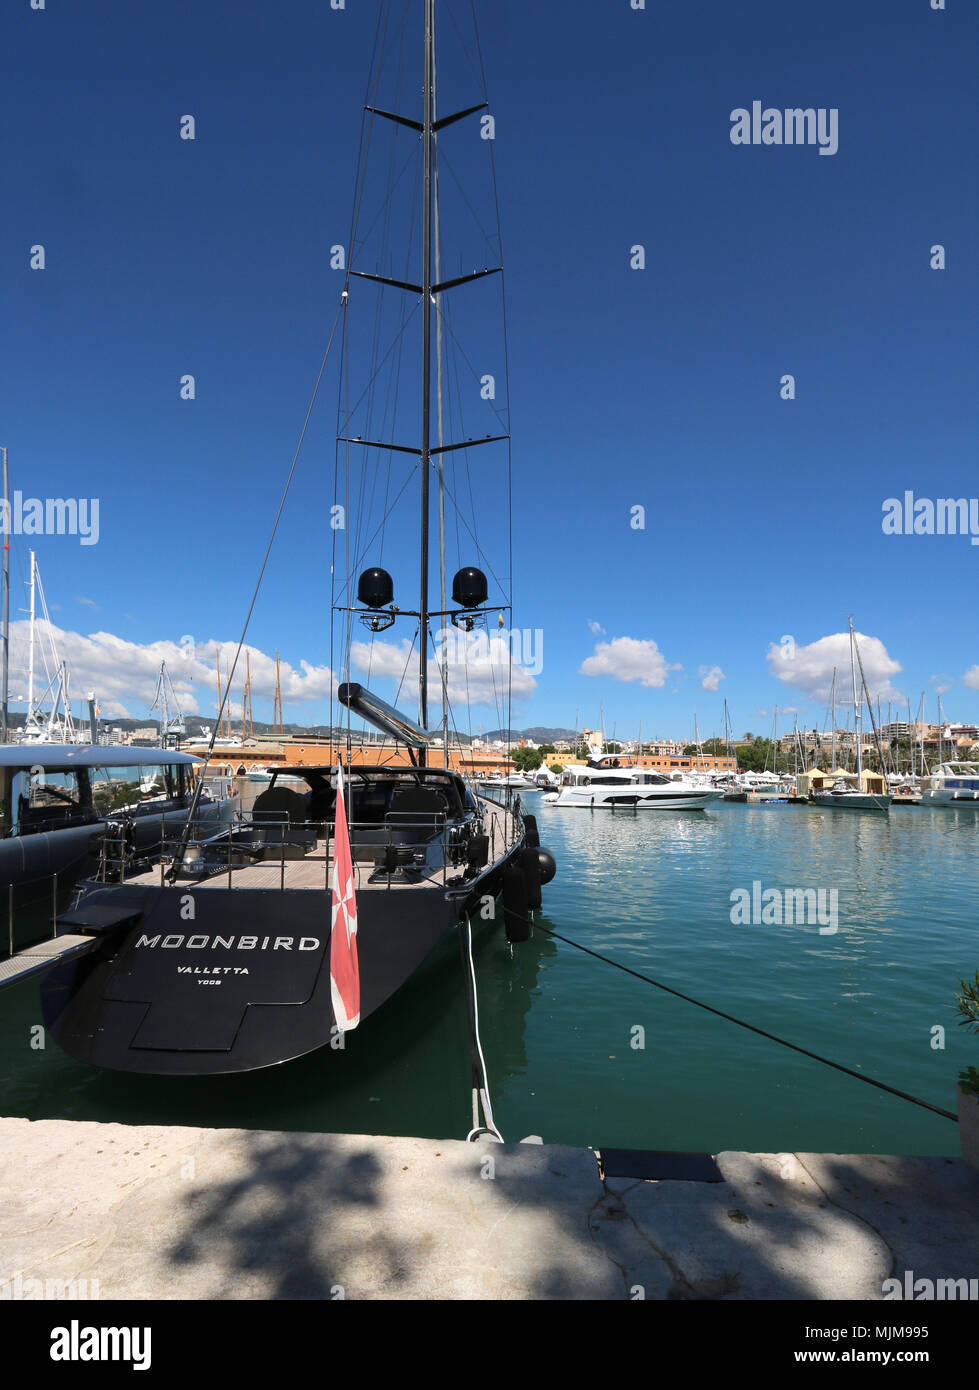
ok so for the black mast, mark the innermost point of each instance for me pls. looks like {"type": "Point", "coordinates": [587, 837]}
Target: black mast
{"type": "Point", "coordinates": [428, 129]}
{"type": "Point", "coordinates": [6, 602]}
{"type": "Point", "coordinates": [427, 136]}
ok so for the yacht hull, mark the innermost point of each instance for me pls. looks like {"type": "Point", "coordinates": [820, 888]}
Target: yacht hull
{"type": "Point", "coordinates": [856, 801]}
{"type": "Point", "coordinates": [634, 799]}
{"type": "Point", "coordinates": [228, 991]}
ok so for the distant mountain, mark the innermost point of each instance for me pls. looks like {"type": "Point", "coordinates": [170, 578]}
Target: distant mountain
{"type": "Point", "coordinates": [538, 735]}
{"type": "Point", "coordinates": [197, 723]}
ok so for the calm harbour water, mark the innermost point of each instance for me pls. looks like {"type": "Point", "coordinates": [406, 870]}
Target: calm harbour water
{"type": "Point", "coordinates": [653, 890]}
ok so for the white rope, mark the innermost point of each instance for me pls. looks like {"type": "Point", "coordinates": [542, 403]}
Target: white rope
{"type": "Point", "coordinates": [489, 1128]}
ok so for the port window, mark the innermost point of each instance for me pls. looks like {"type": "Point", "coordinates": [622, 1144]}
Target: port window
{"type": "Point", "coordinates": [116, 789]}
{"type": "Point", "coordinates": [156, 782]}
{"type": "Point", "coordinates": [44, 799]}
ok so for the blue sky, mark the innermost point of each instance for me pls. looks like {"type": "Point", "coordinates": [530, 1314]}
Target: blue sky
{"type": "Point", "coordinates": [657, 388]}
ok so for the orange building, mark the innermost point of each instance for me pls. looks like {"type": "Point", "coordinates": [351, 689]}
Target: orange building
{"type": "Point", "coordinates": [256, 757]}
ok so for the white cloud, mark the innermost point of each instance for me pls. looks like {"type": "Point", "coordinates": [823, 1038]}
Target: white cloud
{"type": "Point", "coordinates": [596, 628]}
{"type": "Point", "coordinates": [810, 668]}
{"type": "Point", "coordinates": [124, 674]}
{"type": "Point", "coordinates": [629, 659]}
{"type": "Point", "coordinates": [481, 668]}
{"type": "Point", "coordinates": [971, 678]}
{"type": "Point", "coordinates": [712, 677]}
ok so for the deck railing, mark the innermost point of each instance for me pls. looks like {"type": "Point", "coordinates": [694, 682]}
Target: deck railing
{"type": "Point", "coordinates": [405, 846]}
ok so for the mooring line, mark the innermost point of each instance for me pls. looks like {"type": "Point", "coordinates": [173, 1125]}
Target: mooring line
{"type": "Point", "coordinates": [480, 1078]}
{"type": "Point", "coordinates": [772, 1037]}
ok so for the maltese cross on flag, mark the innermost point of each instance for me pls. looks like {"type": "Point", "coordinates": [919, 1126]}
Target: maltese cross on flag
{"type": "Point", "coordinates": [344, 970]}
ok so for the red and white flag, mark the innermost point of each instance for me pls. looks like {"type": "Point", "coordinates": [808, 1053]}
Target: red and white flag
{"type": "Point", "coordinates": [344, 970]}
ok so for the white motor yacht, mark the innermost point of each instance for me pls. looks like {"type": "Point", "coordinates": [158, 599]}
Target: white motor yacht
{"type": "Point", "coordinates": [952, 784]}
{"type": "Point", "coordinates": [605, 784]}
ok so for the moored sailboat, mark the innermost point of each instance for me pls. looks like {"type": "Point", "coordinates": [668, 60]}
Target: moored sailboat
{"type": "Point", "coordinates": [225, 962]}
{"type": "Point", "coordinates": [846, 794]}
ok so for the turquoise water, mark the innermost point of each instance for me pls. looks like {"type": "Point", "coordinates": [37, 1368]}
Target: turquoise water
{"type": "Point", "coordinates": [652, 890]}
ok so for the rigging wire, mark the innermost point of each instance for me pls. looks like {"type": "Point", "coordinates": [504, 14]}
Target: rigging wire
{"type": "Point", "coordinates": [363, 150]}
{"type": "Point", "coordinates": [358, 537]}
{"type": "Point", "coordinates": [345, 409]}
{"type": "Point", "coordinates": [178, 857]}
{"type": "Point", "coordinates": [506, 358]}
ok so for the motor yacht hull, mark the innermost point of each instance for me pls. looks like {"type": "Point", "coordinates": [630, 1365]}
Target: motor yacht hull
{"type": "Point", "coordinates": [639, 798]}
{"type": "Point", "coordinates": [945, 796]}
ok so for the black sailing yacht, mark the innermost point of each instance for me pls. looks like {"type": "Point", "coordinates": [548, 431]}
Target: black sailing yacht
{"type": "Point", "coordinates": [218, 960]}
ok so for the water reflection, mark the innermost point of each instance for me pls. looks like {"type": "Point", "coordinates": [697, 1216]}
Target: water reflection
{"type": "Point", "coordinates": [652, 889]}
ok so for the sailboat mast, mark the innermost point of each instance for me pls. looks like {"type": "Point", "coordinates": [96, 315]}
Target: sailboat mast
{"type": "Point", "coordinates": [427, 136]}
{"type": "Point", "coordinates": [6, 602]}
{"type": "Point", "coordinates": [881, 749]}
{"type": "Point", "coordinates": [856, 711]}
{"type": "Point", "coordinates": [795, 743]}
{"type": "Point", "coordinates": [30, 645]}
{"type": "Point", "coordinates": [941, 732]}
{"type": "Point", "coordinates": [833, 718]}
{"type": "Point", "coordinates": [439, 416]}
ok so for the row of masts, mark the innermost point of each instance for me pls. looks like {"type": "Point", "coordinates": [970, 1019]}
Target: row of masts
{"type": "Point", "coordinates": [37, 725]}
{"type": "Point", "coordinates": [803, 754]}
{"type": "Point", "coordinates": [247, 716]}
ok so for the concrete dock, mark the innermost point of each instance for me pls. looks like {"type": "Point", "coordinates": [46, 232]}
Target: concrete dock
{"type": "Point", "coordinates": [149, 1212]}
